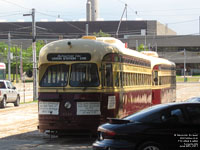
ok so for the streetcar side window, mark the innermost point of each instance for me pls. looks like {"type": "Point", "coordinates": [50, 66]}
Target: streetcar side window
{"type": "Point", "coordinates": [121, 79]}
{"type": "Point", "coordinates": [117, 79]}
{"type": "Point", "coordinates": [55, 76]}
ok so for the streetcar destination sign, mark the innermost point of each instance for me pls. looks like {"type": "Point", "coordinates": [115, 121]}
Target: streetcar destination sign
{"type": "Point", "coordinates": [69, 57]}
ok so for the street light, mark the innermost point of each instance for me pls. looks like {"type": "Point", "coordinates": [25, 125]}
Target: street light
{"type": "Point", "coordinates": [35, 93]}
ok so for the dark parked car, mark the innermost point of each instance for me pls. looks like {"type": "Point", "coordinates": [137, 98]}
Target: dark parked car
{"type": "Point", "coordinates": [193, 99]}
{"type": "Point", "coordinates": [170, 126]}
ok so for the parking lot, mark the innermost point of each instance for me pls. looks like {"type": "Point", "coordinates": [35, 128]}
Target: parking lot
{"type": "Point", "coordinates": [18, 131]}
{"type": "Point", "coordinates": [18, 127]}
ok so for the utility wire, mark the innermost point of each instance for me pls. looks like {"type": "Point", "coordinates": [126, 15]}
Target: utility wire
{"type": "Point", "coordinates": [186, 21]}
{"type": "Point", "coordinates": [121, 1]}
{"type": "Point", "coordinates": [14, 4]}
{"type": "Point", "coordinates": [162, 10]}
{"type": "Point", "coordinates": [11, 15]}
{"type": "Point", "coordinates": [9, 12]}
{"type": "Point", "coordinates": [64, 21]}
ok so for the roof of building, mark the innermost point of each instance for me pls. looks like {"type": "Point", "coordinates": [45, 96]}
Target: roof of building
{"type": "Point", "coordinates": [76, 29]}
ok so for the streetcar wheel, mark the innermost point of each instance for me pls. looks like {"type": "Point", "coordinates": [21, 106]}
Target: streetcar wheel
{"type": "Point", "coordinates": [16, 103]}
{"type": "Point", "coordinates": [3, 102]}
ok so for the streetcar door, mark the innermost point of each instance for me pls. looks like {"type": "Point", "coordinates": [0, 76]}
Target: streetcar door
{"type": "Point", "coordinates": [107, 75]}
{"type": "Point", "coordinates": [156, 92]}
{"type": "Point", "coordinates": [155, 78]}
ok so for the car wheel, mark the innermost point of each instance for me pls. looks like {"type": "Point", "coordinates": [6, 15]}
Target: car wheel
{"type": "Point", "coordinates": [16, 103]}
{"type": "Point", "coordinates": [150, 146]}
{"type": "Point", "coordinates": [3, 102]}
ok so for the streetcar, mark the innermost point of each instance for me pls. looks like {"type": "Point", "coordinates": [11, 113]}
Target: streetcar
{"type": "Point", "coordinates": [84, 81]}
{"type": "Point", "coordinates": [2, 71]}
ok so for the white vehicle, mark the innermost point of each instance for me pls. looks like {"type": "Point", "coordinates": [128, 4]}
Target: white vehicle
{"type": "Point", "coordinates": [8, 94]}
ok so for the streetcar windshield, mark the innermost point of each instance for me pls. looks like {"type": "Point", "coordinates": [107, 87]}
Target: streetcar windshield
{"type": "Point", "coordinates": [84, 75]}
{"type": "Point", "coordinates": [55, 76]}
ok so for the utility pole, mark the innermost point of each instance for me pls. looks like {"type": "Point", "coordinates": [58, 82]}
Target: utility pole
{"type": "Point", "coordinates": [35, 88]}
{"type": "Point", "coordinates": [21, 64]}
{"type": "Point", "coordinates": [145, 40]}
{"type": "Point", "coordinates": [184, 65]}
{"type": "Point", "coordinates": [149, 45]}
{"type": "Point", "coordinates": [199, 25]}
{"type": "Point", "coordinates": [86, 29]}
{"type": "Point", "coordinates": [156, 47]}
{"type": "Point", "coordinates": [16, 58]}
{"type": "Point", "coordinates": [9, 41]}
{"type": "Point", "coordinates": [136, 45]}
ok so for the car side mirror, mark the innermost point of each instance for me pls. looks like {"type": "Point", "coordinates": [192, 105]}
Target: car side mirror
{"type": "Point", "coordinates": [14, 88]}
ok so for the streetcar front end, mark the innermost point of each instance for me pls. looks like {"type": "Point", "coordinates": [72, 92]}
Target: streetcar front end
{"type": "Point", "coordinates": [70, 96]}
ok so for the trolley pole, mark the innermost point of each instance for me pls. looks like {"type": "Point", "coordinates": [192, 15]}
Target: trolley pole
{"type": "Point", "coordinates": [35, 88]}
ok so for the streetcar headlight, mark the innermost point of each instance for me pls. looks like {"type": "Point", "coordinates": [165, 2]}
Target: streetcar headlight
{"type": "Point", "coordinates": [67, 105]}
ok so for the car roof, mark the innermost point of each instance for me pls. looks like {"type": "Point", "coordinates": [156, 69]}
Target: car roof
{"type": "Point", "coordinates": [176, 104]}
{"type": "Point", "coordinates": [4, 80]}
{"type": "Point", "coordinates": [161, 107]}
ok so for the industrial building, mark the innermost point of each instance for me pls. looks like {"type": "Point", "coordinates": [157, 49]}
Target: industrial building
{"type": "Point", "coordinates": [181, 49]}
{"type": "Point", "coordinates": [153, 34]}
{"type": "Point", "coordinates": [77, 29]}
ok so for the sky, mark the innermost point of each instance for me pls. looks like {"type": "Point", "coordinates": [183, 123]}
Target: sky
{"type": "Point", "coordinates": [182, 16]}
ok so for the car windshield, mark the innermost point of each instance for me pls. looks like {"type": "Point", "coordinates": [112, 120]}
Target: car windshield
{"type": "Point", "coordinates": [150, 113]}
{"type": "Point", "coordinates": [84, 75]}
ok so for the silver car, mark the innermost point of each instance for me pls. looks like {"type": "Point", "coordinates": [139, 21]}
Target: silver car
{"type": "Point", "coordinates": [8, 94]}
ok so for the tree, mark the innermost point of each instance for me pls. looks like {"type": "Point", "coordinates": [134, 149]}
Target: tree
{"type": "Point", "coordinates": [27, 55]}
{"type": "Point", "coordinates": [28, 65]}
{"type": "Point", "coordinates": [142, 47]}
{"type": "Point", "coordinates": [101, 34]}
{"type": "Point", "coordinates": [3, 51]}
